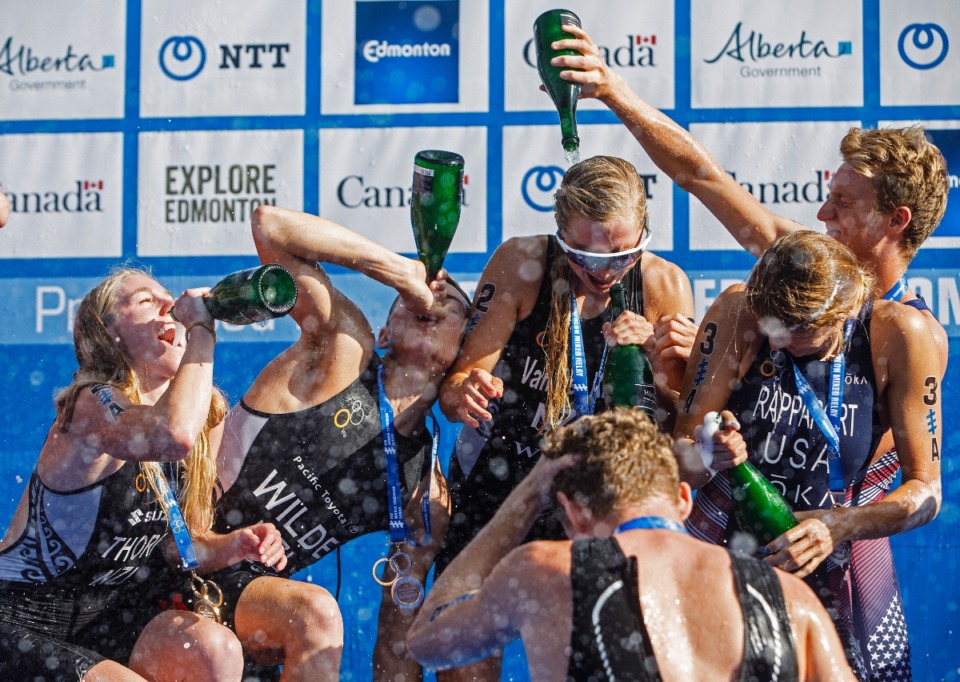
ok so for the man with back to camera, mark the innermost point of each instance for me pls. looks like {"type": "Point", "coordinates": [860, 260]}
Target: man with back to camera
{"type": "Point", "coordinates": [630, 576]}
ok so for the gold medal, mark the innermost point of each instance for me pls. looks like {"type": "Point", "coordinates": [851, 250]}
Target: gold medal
{"type": "Point", "coordinates": [209, 598]}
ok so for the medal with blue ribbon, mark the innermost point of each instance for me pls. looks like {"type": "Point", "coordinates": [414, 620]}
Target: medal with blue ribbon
{"type": "Point", "coordinates": [406, 590]}
{"type": "Point", "coordinates": [583, 403]}
{"type": "Point", "coordinates": [830, 424]}
{"type": "Point", "coordinates": [209, 596]}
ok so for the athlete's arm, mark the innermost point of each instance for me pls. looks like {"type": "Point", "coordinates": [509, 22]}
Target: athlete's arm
{"type": "Point", "coordinates": [506, 294]}
{"type": "Point", "coordinates": [300, 241]}
{"type": "Point", "coordinates": [674, 150]}
{"type": "Point", "coordinates": [668, 297]}
{"type": "Point", "coordinates": [908, 379]}
{"type": "Point", "coordinates": [820, 656]}
{"type": "Point", "coordinates": [714, 368]}
{"type": "Point", "coordinates": [472, 609]}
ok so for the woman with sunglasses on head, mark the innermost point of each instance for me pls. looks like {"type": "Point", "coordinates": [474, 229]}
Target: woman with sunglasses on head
{"type": "Point", "coordinates": [775, 353]}
{"type": "Point", "coordinates": [513, 379]}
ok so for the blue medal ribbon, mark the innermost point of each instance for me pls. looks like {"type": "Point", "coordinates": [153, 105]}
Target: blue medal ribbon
{"type": "Point", "coordinates": [583, 403]}
{"type": "Point", "coordinates": [897, 291]}
{"type": "Point", "coordinates": [181, 534]}
{"type": "Point", "coordinates": [399, 531]}
{"type": "Point", "coordinates": [650, 523]}
{"type": "Point", "coordinates": [829, 420]}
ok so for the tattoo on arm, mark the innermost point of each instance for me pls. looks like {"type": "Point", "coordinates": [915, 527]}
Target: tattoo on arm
{"type": "Point", "coordinates": [930, 398]}
{"type": "Point", "coordinates": [104, 394]}
{"type": "Point", "coordinates": [481, 308]}
{"type": "Point", "coordinates": [486, 294]}
{"type": "Point", "coordinates": [708, 345]}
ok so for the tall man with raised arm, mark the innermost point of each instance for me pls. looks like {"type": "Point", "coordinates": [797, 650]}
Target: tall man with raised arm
{"type": "Point", "coordinates": [886, 198]}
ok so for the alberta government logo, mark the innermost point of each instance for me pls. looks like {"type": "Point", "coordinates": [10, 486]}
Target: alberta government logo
{"type": "Point", "coordinates": [407, 53]}
{"type": "Point", "coordinates": [33, 70]}
{"type": "Point", "coordinates": [759, 56]}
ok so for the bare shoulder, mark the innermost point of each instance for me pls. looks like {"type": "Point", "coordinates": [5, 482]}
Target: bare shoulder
{"type": "Point", "coordinates": [666, 287]}
{"type": "Point", "coordinates": [662, 271]}
{"type": "Point", "coordinates": [820, 654]}
{"type": "Point", "coordinates": [521, 259]}
{"type": "Point", "coordinates": [540, 567]}
{"type": "Point", "coordinates": [512, 277]}
{"type": "Point", "coordinates": [76, 455]}
{"type": "Point", "coordinates": [731, 304]}
{"type": "Point", "coordinates": [900, 325]}
{"type": "Point", "coordinates": [548, 554]}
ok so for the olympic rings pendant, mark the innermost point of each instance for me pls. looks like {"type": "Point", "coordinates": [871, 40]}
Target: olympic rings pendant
{"type": "Point", "coordinates": [407, 592]}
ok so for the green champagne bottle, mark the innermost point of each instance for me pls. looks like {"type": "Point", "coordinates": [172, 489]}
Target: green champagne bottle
{"type": "Point", "coordinates": [435, 205]}
{"type": "Point", "coordinates": [547, 29]}
{"type": "Point", "coordinates": [628, 375]}
{"type": "Point", "coordinates": [759, 508]}
{"type": "Point", "coordinates": [253, 295]}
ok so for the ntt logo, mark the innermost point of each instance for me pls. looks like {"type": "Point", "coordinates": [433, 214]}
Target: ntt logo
{"type": "Point", "coordinates": [375, 50]}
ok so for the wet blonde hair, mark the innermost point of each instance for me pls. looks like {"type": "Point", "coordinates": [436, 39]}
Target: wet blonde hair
{"type": "Point", "coordinates": [600, 188]}
{"type": "Point", "coordinates": [624, 460]}
{"type": "Point", "coordinates": [904, 169]}
{"type": "Point", "coordinates": [101, 361]}
{"type": "Point", "coordinates": [807, 280]}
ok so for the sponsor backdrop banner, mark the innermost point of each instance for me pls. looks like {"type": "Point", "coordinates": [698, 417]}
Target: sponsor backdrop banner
{"type": "Point", "coordinates": [149, 130]}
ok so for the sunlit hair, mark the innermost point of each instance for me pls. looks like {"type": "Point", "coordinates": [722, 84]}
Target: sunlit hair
{"type": "Point", "coordinates": [904, 169]}
{"type": "Point", "coordinates": [101, 360]}
{"type": "Point", "coordinates": [600, 188]}
{"type": "Point", "coordinates": [624, 460]}
{"type": "Point", "coordinates": [807, 280]}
